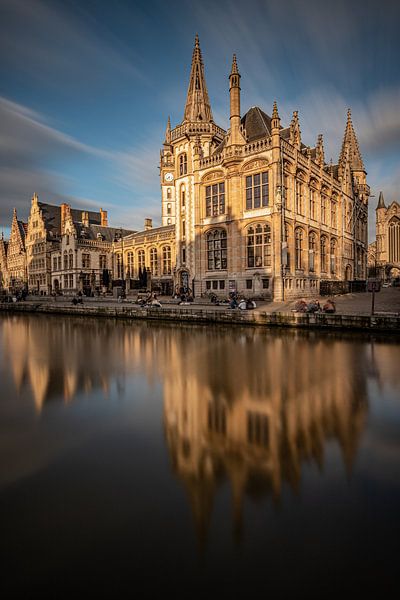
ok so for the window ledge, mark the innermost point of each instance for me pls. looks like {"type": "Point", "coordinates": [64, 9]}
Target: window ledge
{"type": "Point", "coordinates": [214, 220]}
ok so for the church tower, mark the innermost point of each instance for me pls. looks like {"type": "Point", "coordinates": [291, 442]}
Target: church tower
{"type": "Point", "coordinates": [185, 147]}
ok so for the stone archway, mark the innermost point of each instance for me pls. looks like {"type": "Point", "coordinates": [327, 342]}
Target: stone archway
{"type": "Point", "coordinates": [348, 273]}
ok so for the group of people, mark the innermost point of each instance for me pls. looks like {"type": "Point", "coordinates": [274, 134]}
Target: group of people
{"type": "Point", "coordinates": [314, 306]}
{"type": "Point", "coordinates": [184, 295]}
{"type": "Point", "coordinates": [150, 300]}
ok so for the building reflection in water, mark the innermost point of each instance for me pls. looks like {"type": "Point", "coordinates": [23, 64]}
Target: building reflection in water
{"type": "Point", "coordinates": [243, 405]}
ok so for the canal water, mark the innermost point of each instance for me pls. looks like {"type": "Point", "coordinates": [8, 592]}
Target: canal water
{"type": "Point", "coordinates": [194, 456]}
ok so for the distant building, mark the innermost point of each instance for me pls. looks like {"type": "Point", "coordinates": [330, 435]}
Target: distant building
{"type": "Point", "coordinates": [15, 271]}
{"type": "Point", "coordinates": [387, 249]}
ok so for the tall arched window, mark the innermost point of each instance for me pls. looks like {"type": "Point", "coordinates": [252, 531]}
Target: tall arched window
{"type": "Point", "coordinates": [70, 260]}
{"type": "Point", "coordinates": [153, 261]}
{"type": "Point", "coordinates": [288, 238]}
{"type": "Point", "coordinates": [324, 266]}
{"type": "Point", "coordinates": [183, 164]}
{"type": "Point", "coordinates": [216, 250]}
{"type": "Point", "coordinates": [299, 238]}
{"type": "Point", "coordinates": [334, 211]}
{"type": "Point", "coordinates": [324, 202]}
{"type": "Point", "coordinates": [129, 261]}
{"type": "Point", "coordinates": [299, 195]}
{"type": "Point", "coordinates": [65, 260]}
{"type": "Point", "coordinates": [313, 201]}
{"type": "Point", "coordinates": [333, 256]}
{"type": "Point", "coordinates": [169, 194]}
{"type": "Point", "coordinates": [119, 266]}
{"type": "Point", "coordinates": [141, 259]}
{"type": "Point", "coordinates": [312, 248]}
{"type": "Point", "coordinates": [259, 246]}
{"type": "Point", "coordinates": [168, 208]}
{"type": "Point", "coordinates": [394, 240]}
{"type": "Point", "coordinates": [166, 253]}
{"type": "Point", "coordinates": [183, 198]}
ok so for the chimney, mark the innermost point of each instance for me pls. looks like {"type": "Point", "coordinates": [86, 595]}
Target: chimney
{"type": "Point", "coordinates": [64, 214]}
{"type": "Point", "coordinates": [85, 219]}
{"type": "Point", "coordinates": [103, 218]}
{"type": "Point", "coordinates": [148, 224]}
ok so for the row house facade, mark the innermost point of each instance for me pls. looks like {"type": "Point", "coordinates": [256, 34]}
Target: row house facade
{"type": "Point", "coordinates": [13, 265]}
{"type": "Point", "coordinates": [151, 251]}
{"type": "Point", "coordinates": [255, 209]}
{"type": "Point", "coordinates": [83, 260]}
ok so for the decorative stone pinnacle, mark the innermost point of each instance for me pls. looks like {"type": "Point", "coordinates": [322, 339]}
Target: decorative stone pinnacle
{"type": "Point", "coordinates": [234, 69]}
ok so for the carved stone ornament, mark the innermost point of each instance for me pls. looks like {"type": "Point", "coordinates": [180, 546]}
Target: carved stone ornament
{"type": "Point", "coordinates": [255, 164]}
{"type": "Point", "coordinates": [212, 176]}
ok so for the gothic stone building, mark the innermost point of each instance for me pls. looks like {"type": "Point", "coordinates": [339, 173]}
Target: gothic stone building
{"type": "Point", "coordinates": [255, 209]}
{"type": "Point", "coordinates": [13, 256]}
{"type": "Point", "coordinates": [387, 246]}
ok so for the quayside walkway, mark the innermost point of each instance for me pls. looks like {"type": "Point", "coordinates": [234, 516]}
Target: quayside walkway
{"type": "Point", "coordinates": [353, 312]}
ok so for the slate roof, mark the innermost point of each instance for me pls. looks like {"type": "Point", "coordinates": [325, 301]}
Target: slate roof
{"type": "Point", "coordinates": [52, 217]}
{"type": "Point", "coordinates": [23, 228]}
{"type": "Point", "coordinates": [256, 123]}
{"type": "Point", "coordinates": [108, 233]}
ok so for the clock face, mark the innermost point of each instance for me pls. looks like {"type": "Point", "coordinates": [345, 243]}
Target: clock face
{"type": "Point", "coordinates": [169, 176]}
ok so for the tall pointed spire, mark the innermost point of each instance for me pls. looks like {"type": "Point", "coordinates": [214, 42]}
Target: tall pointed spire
{"type": "Point", "coordinates": [350, 142]}
{"type": "Point", "coordinates": [197, 106]}
{"type": "Point", "coordinates": [381, 201]}
{"type": "Point", "coordinates": [167, 139]}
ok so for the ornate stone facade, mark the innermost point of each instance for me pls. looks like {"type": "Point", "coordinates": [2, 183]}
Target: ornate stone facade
{"type": "Point", "coordinates": [255, 210]}
{"type": "Point", "coordinates": [387, 248]}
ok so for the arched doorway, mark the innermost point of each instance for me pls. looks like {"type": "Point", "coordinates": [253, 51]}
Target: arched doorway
{"type": "Point", "coordinates": [56, 286]}
{"type": "Point", "coordinates": [347, 273]}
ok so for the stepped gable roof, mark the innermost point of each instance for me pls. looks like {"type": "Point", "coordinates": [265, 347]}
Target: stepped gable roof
{"type": "Point", "coordinates": [23, 228]}
{"type": "Point", "coordinates": [256, 123]}
{"type": "Point", "coordinates": [52, 217]}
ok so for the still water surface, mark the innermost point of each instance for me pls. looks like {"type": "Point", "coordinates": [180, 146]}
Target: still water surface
{"type": "Point", "coordinates": [149, 452]}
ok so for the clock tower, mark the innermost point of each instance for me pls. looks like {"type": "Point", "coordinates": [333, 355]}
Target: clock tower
{"type": "Point", "coordinates": [167, 174]}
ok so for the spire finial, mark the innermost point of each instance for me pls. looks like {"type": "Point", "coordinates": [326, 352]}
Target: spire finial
{"type": "Point", "coordinates": [234, 69]}
{"type": "Point", "coordinates": [381, 201]}
{"type": "Point", "coordinates": [350, 146]}
{"type": "Point", "coordinates": [197, 106]}
{"type": "Point", "coordinates": [275, 114]}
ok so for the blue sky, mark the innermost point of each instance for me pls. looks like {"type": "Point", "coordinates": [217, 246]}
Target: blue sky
{"type": "Point", "coordinates": [87, 86]}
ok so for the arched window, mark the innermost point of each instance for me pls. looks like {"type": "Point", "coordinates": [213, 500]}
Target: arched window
{"type": "Point", "coordinates": [65, 260]}
{"type": "Point", "coordinates": [169, 194]}
{"type": "Point", "coordinates": [71, 260]}
{"type": "Point", "coordinates": [168, 208]}
{"type": "Point", "coordinates": [324, 202]}
{"type": "Point", "coordinates": [299, 195]}
{"type": "Point", "coordinates": [333, 256]}
{"type": "Point", "coordinates": [216, 250]}
{"type": "Point", "coordinates": [183, 164]}
{"type": "Point", "coordinates": [183, 198]}
{"type": "Point", "coordinates": [288, 240]}
{"type": "Point", "coordinates": [166, 253]}
{"type": "Point", "coordinates": [259, 246]}
{"type": "Point", "coordinates": [153, 261]}
{"type": "Point", "coordinates": [313, 201]}
{"type": "Point", "coordinates": [119, 266]}
{"type": "Point", "coordinates": [55, 263]}
{"type": "Point", "coordinates": [324, 265]}
{"type": "Point", "coordinates": [394, 240]}
{"type": "Point", "coordinates": [334, 211]}
{"type": "Point", "coordinates": [312, 248]}
{"type": "Point", "coordinates": [141, 259]}
{"type": "Point", "coordinates": [169, 221]}
{"type": "Point", "coordinates": [299, 238]}
{"type": "Point", "coordinates": [129, 270]}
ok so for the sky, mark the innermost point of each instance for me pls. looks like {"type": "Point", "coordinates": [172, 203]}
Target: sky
{"type": "Point", "coordinates": [86, 88]}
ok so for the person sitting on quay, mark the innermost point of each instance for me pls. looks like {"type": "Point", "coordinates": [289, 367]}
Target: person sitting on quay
{"type": "Point", "coordinates": [300, 306]}
{"type": "Point", "coordinates": [313, 306]}
{"type": "Point", "coordinates": [329, 307]}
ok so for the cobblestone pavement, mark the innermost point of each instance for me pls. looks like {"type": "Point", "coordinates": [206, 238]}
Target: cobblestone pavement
{"type": "Point", "coordinates": [386, 301]}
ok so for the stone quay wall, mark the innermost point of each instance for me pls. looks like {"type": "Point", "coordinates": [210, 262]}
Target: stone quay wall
{"type": "Point", "coordinates": [320, 321]}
